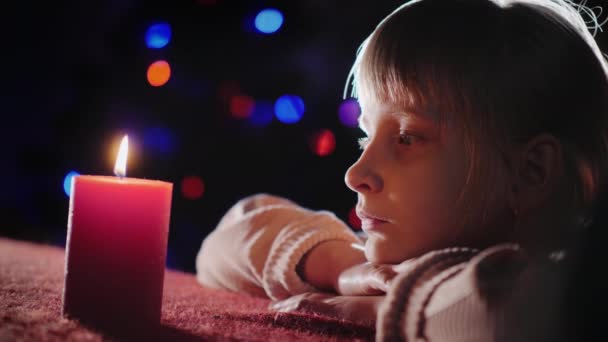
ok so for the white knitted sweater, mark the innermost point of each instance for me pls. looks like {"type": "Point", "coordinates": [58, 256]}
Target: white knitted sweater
{"type": "Point", "coordinates": [453, 294]}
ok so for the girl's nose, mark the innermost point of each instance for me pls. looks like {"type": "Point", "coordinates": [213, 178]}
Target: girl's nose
{"type": "Point", "coordinates": [362, 179]}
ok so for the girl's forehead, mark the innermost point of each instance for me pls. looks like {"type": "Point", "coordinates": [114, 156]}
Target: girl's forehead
{"type": "Point", "coordinates": [380, 108]}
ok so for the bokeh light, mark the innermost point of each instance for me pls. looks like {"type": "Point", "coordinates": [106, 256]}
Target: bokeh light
{"type": "Point", "coordinates": [349, 112]}
{"type": "Point", "coordinates": [171, 261]}
{"type": "Point", "coordinates": [159, 73]}
{"type": "Point", "coordinates": [192, 187]}
{"type": "Point", "coordinates": [268, 21]}
{"type": "Point", "coordinates": [159, 140]}
{"type": "Point", "coordinates": [353, 219]}
{"type": "Point", "coordinates": [262, 113]}
{"type": "Point", "coordinates": [289, 109]}
{"type": "Point", "coordinates": [241, 106]}
{"type": "Point", "coordinates": [158, 35]}
{"type": "Point", "coordinates": [59, 238]}
{"type": "Point", "coordinates": [227, 89]}
{"type": "Point", "coordinates": [323, 143]}
{"type": "Point", "coordinates": [67, 182]}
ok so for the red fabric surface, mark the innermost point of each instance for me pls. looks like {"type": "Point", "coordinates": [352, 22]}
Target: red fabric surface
{"type": "Point", "coordinates": [31, 282]}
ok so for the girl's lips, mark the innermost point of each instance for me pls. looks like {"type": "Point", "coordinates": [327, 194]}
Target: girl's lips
{"type": "Point", "coordinates": [370, 222]}
{"type": "Point", "coordinates": [368, 225]}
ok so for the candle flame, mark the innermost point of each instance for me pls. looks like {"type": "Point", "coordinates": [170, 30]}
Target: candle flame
{"type": "Point", "coordinates": [120, 169]}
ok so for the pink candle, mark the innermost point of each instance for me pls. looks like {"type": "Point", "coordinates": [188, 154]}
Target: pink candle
{"type": "Point", "coordinates": [116, 249]}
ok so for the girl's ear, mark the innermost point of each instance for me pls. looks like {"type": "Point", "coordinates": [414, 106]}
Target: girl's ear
{"type": "Point", "coordinates": [538, 169]}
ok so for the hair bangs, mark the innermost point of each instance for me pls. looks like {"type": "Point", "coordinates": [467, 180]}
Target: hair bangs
{"type": "Point", "coordinates": [411, 73]}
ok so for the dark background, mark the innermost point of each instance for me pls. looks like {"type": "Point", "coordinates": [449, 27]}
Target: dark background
{"type": "Point", "coordinates": [74, 81]}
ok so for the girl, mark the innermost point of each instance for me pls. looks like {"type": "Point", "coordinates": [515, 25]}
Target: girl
{"type": "Point", "coordinates": [485, 148]}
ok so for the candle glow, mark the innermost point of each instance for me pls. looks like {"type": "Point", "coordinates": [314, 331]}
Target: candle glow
{"type": "Point", "coordinates": [120, 168]}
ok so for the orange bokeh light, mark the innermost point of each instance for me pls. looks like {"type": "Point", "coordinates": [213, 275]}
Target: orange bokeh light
{"type": "Point", "coordinates": [192, 187]}
{"type": "Point", "coordinates": [159, 73]}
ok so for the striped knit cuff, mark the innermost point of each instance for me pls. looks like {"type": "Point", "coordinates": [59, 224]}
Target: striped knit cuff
{"type": "Point", "coordinates": [399, 317]}
{"type": "Point", "coordinates": [280, 279]}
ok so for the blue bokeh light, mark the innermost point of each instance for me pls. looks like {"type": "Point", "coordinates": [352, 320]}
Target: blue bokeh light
{"type": "Point", "coordinates": [67, 182]}
{"type": "Point", "coordinates": [59, 239]}
{"type": "Point", "coordinates": [268, 21]}
{"type": "Point", "coordinates": [171, 261]}
{"type": "Point", "coordinates": [289, 109]}
{"type": "Point", "coordinates": [158, 35]}
{"type": "Point", "coordinates": [262, 114]}
{"type": "Point", "coordinates": [159, 140]}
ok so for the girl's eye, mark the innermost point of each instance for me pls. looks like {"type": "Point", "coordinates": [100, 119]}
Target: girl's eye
{"type": "Point", "coordinates": [406, 139]}
{"type": "Point", "coordinates": [403, 139]}
{"type": "Point", "coordinates": [362, 142]}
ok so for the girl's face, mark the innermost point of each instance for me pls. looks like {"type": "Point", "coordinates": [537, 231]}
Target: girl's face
{"type": "Point", "coordinates": [408, 178]}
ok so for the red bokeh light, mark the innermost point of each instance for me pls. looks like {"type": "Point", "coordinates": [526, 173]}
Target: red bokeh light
{"type": "Point", "coordinates": [228, 89]}
{"type": "Point", "coordinates": [193, 187]}
{"type": "Point", "coordinates": [353, 219]}
{"type": "Point", "coordinates": [159, 73]}
{"type": "Point", "coordinates": [323, 143]}
{"type": "Point", "coordinates": [241, 106]}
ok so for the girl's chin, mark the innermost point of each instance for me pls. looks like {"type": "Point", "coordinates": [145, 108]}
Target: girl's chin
{"type": "Point", "coordinates": [380, 251]}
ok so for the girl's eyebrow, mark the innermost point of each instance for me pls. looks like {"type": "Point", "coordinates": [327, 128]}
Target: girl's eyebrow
{"type": "Point", "coordinates": [396, 114]}
{"type": "Point", "coordinates": [404, 114]}
{"type": "Point", "coordinates": [418, 116]}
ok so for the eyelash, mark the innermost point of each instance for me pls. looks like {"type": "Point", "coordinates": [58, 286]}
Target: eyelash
{"type": "Point", "coordinates": [362, 142]}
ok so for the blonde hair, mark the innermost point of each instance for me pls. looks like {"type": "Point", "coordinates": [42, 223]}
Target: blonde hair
{"type": "Point", "coordinates": [506, 71]}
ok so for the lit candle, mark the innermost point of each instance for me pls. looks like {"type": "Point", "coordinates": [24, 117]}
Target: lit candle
{"type": "Point", "coordinates": [116, 248]}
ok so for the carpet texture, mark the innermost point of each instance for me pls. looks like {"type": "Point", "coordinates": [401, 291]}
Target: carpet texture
{"type": "Point", "coordinates": [31, 282]}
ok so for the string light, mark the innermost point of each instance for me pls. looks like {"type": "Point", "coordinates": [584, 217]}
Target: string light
{"type": "Point", "coordinates": [268, 21]}
{"type": "Point", "coordinates": [323, 143]}
{"type": "Point", "coordinates": [289, 109]}
{"type": "Point", "coordinates": [159, 73]}
{"type": "Point", "coordinates": [192, 187]}
{"type": "Point", "coordinates": [67, 182]}
{"type": "Point", "coordinates": [159, 140]}
{"type": "Point", "coordinates": [241, 106]}
{"type": "Point", "coordinates": [349, 112]}
{"type": "Point", "coordinates": [262, 113]}
{"type": "Point", "coordinates": [158, 35]}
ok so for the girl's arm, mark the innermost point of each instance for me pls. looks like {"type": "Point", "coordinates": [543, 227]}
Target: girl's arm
{"type": "Point", "coordinates": [451, 295]}
{"type": "Point", "coordinates": [257, 247]}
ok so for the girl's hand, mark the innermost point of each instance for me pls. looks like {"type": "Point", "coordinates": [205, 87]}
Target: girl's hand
{"type": "Point", "coordinates": [368, 279]}
{"type": "Point", "coordinates": [363, 309]}
{"type": "Point", "coordinates": [365, 279]}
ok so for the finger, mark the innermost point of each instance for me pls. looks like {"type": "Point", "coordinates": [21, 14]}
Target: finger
{"type": "Point", "coordinates": [355, 308]}
{"type": "Point", "coordinates": [295, 302]}
{"type": "Point", "coordinates": [365, 279]}
{"type": "Point", "coordinates": [384, 274]}
{"type": "Point", "coordinates": [317, 307]}
{"type": "Point", "coordinates": [307, 306]}
{"type": "Point", "coordinates": [405, 266]}
{"type": "Point", "coordinates": [282, 306]}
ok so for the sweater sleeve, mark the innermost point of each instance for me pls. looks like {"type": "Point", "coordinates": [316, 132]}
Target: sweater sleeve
{"type": "Point", "coordinates": [455, 294]}
{"type": "Point", "coordinates": [258, 243]}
